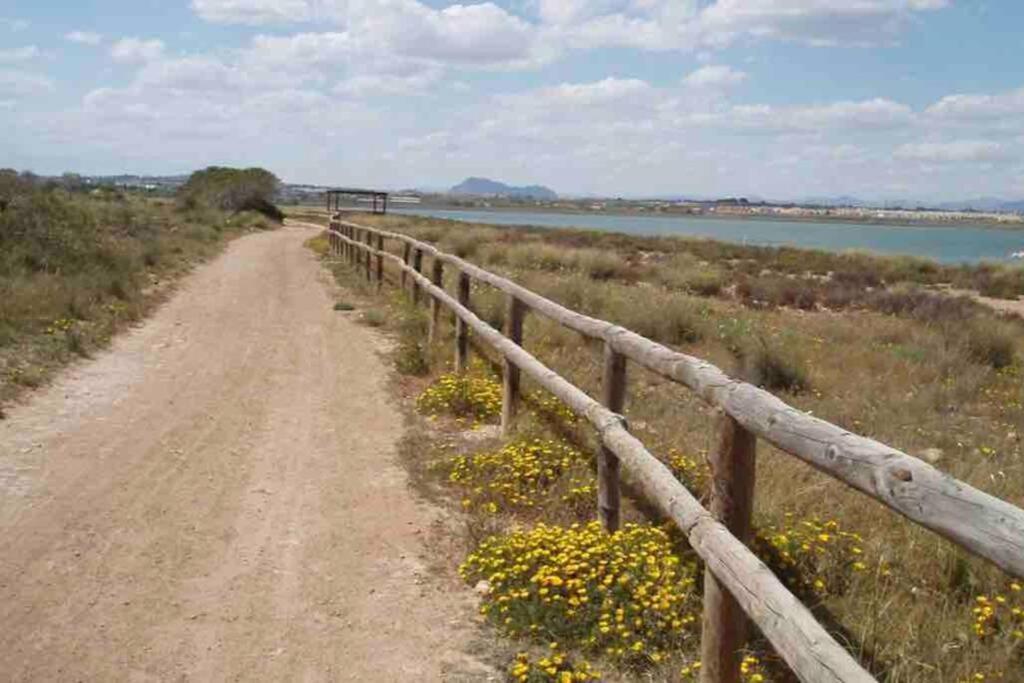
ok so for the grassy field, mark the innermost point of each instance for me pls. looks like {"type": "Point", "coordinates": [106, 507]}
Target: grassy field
{"type": "Point", "coordinates": [76, 268]}
{"type": "Point", "coordinates": [871, 344]}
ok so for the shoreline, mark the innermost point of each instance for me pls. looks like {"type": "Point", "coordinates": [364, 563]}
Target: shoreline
{"type": "Point", "coordinates": [981, 224]}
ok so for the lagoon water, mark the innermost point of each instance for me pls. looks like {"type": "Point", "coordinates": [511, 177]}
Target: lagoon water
{"type": "Point", "coordinates": [963, 243]}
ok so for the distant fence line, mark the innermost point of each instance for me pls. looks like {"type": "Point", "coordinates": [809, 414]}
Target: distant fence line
{"type": "Point", "coordinates": [737, 584]}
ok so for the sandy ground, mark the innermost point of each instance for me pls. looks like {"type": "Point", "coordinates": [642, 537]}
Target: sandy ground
{"type": "Point", "coordinates": [218, 497]}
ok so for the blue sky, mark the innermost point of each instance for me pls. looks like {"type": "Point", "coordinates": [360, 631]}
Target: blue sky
{"type": "Point", "coordinates": [774, 98]}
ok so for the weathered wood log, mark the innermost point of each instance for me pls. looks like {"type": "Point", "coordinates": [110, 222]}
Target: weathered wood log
{"type": "Point", "coordinates": [801, 641]}
{"type": "Point", "coordinates": [732, 502]}
{"type": "Point", "coordinates": [417, 264]}
{"type": "Point", "coordinates": [369, 243]}
{"type": "Point", "coordinates": [436, 276]}
{"type": "Point", "coordinates": [407, 259]}
{"type": "Point", "coordinates": [380, 262]}
{"type": "Point", "coordinates": [461, 330]}
{"type": "Point", "coordinates": [983, 524]}
{"type": "Point", "coordinates": [613, 396]}
{"type": "Point", "coordinates": [510, 372]}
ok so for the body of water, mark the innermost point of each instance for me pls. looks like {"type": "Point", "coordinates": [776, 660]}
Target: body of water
{"type": "Point", "coordinates": [963, 243]}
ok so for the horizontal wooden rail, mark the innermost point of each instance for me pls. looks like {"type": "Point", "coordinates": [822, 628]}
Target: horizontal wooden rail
{"type": "Point", "coordinates": [808, 649]}
{"type": "Point", "coordinates": [983, 524]}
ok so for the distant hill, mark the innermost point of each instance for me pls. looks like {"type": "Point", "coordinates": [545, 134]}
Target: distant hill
{"type": "Point", "coordinates": [978, 204]}
{"type": "Point", "coordinates": [984, 204]}
{"type": "Point", "coordinates": [483, 187]}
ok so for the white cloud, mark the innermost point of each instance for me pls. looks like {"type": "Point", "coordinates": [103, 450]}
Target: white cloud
{"type": "Point", "coordinates": [952, 152]}
{"type": "Point", "coordinates": [609, 90]}
{"type": "Point", "coordinates": [199, 74]}
{"type": "Point", "coordinates": [812, 22]}
{"type": "Point", "coordinates": [137, 50]}
{"type": "Point", "coordinates": [84, 37]}
{"type": "Point", "coordinates": [715, 76]}
{"type": "Point", "coordinates": [19, 54]}
{"type": "Point", "coordinates": [965, 107]}
{"type": "Point", "coordinates": [23, 84]}
{"type": "Point", "coordinates": [482, 34]}
{"type": "Point", "coordinates": [254, 12]}
{"type": "Point", "coordinates": [876, 114]}
{"type": "Point", "coordinates": [692, 25]}
{"type": "Point", "coordinates": [370, 85]}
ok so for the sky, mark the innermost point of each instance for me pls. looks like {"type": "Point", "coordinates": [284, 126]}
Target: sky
{"type": "Point", "coordinates": [785, 99]}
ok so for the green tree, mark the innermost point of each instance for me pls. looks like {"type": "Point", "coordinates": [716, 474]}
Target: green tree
{"type": "Point", "coordinates": [230, 189]}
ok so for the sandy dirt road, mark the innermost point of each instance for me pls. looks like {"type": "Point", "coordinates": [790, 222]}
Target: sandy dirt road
{"type": "Point", "coordinates": [217, 497]}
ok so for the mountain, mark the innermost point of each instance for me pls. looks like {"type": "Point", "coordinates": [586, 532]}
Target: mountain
{"type": "Point", "coordinates": [483, 187]}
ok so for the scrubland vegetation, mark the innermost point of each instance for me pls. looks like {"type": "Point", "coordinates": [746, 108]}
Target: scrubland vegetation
{"type": "Point", "coordinates": [872, 344]}
{"type": "Point", "coordinates": [76, 267]}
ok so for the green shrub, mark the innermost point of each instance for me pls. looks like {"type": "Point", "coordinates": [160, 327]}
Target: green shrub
{"type": "Point", "coordinates": [598, 264]}
{"type": "Point", "coordinates": [229, 189]}
{"type": "Point", "coordinates": [412, 356]}
{"type": "Point", "coordinates": [665, 319]}
{"type": "Point", "coordinates": [773, 366]}
{"type": "Point", "coordinates": [374, 318]}
{"type": "Point", "coordinates": [991, 343]}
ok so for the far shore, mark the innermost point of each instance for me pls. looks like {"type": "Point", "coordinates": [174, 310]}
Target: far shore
{"type": "Point", "coordinates": [907, 223]}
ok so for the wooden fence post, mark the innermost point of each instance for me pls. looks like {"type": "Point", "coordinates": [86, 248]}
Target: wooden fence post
{"type": "Point", "coordinates": [417, 264]}
{"type": "Point", "coordinates": [613, 396]}
{"type": "Point", "coordinates": [436, 277]}
{"type": "Point", "coordinates": [461, 329]}
{"type": "Point", "coordinates": [380, 261]}
{"type": "Point", "coordinates": [406, 258]}
{"type": "Point", "coordinates": [510, 389]}
{"type": "Point", "coordinates": [369, 246]}
{"type": "Point", "coordinates": [732, 501]}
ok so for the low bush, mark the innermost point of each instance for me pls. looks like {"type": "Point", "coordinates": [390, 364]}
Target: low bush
{"type": "Point", "coordinates": [925, 306]}
{"type": "Point", "coordinates": [471, 395]}
{"type": "Point", "coordinates": [628, 596]}
{"type": "Point", "coordinates": [813, 558]}
{"type": "Point", "coordinates": [412, 356]}
{"type": "Point", "coordinates": [991, 343]}
{"type": "Point", "coordinates": [518, 475]}
{"type": "Point", "coordinates": [669, 319]}
{"type": "Point", "coordinates": [597, 264]}
{"type": "Point", "coordinates": [773, 366]}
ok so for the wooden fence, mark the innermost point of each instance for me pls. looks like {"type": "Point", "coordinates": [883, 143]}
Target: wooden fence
{"type": "Point", "coordinates": [737, 584]}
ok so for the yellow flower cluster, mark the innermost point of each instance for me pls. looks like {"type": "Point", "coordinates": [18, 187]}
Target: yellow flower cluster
{"type": "Point", "coordinates": [627, 595]}
{"type": "Point", "coordinates": [60, 325]}
{"type": "Point", "coordinates": [751, 671]}
{"type": "Point", "coordinates": [1001, 614]}
{"type": "Point", "coordinates": [581, 496]}
{"type": "Point", "coordinates": [692, 472]}
{"type": "Point", "coordinates": [810, 556]}
{"type": "Point", "coordinates": [546, 405]}
{"type": "Point", "coordinates": [555, 667]}
{"type": "Point", "coordinates": [462, 395]}
{"type": "Point", "coordinates": [512, 476]}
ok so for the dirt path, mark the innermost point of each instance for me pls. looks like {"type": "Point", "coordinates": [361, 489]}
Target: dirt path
{"type": "Point", "coordinates": [218, 498]}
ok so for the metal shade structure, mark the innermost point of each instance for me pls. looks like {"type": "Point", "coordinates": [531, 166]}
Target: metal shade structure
{"type": "Point", "coordinates": [378, 198]}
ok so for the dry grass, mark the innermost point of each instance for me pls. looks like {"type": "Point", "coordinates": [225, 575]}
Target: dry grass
{"type": "Point", "coordinates": [75, 269]}
{"type": "Point", "coordinates": [918, 370]}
